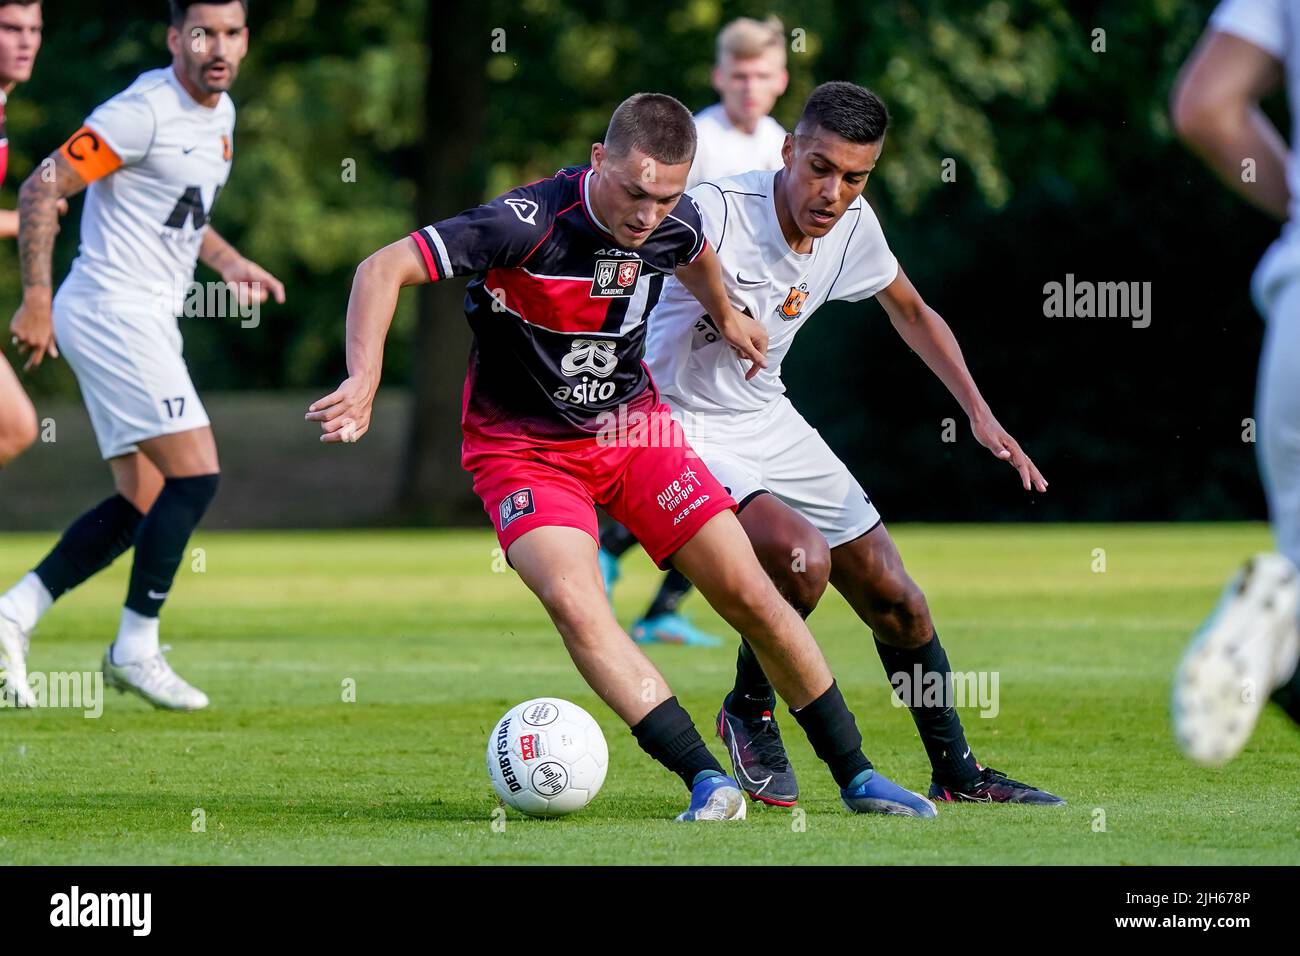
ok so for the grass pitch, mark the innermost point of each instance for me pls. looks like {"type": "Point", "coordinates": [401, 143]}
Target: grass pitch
{"type": "Point", "coordinates": [282, 769]}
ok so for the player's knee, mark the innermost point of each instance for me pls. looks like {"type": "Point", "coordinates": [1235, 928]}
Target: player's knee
{"type": "Point", "coordinates": [18, 436]}
{"type": "Point", "coordinates": [802, 581]}
{"type": "Point", "coordinates": [906, 613]}
{"type": "Point", "coordinates": [575, 609]}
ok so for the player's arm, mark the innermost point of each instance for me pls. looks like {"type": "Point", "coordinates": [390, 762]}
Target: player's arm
{"type": "Point", "coordinates": [253, 282]}
{"type": "Point", "coordinates": [42, 198]}
{"type": "Point", "coordinates": [929, 336]}
{"type": "Point", "coordinates": [1215, 109]}
{"type": "Point", "coordinates": [344, 414]}
{"type": "Point", "coordinates": [702, 277]}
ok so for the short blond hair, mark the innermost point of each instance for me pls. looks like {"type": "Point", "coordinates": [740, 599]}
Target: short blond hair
{"type": "Point", "coordinates": [746, 37]}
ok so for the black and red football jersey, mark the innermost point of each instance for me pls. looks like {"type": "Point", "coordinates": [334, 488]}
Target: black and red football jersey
{"type": "Point", "coordinates": [557, 307]}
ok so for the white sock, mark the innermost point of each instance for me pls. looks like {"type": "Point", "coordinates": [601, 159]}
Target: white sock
{"type": "Point", "coordinates": [137, 638]}
{"type": "Point", "coordinates": [26, 602]}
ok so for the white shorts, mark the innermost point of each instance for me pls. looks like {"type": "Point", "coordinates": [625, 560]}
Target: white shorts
{"type": "Point", "coordinates": [776, 451]}
{"type": "Point", "coordinates": [128, 362]}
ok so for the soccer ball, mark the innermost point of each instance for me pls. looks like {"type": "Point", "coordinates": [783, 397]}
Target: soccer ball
{"type": "Point", "coordinates": [547, 757]}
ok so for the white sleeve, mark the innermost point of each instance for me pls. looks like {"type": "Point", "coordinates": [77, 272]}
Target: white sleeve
{"type": "Point", "coordinates": [127, 124]}
{"type": "Point", "coordinates": [868, 264]}
{"type": "Point", "coordinates": [1259, 22]}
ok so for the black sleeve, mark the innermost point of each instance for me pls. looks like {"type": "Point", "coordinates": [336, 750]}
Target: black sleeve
{"type": "Point", "coordinates": [495, 235]}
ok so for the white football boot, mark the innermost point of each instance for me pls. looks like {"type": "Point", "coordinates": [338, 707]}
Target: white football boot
{"type": "Point", "coordinates": [155, 681]}
{"type": "Point", "coordinates": [1247, 646]}
{"type": "Point", "coordinates": [13, 664]}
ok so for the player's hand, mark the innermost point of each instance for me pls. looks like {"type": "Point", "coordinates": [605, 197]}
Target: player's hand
{"type": "Point", "coordinates": [997, 440]}
{"type": "Point", "coordinates": [62, 206]}
{"type": "Point", "coordinates": [748, 338]}
{"type": "Point", "coordinates": [252, 282]}
{"type": "Point", "coordinates": [32, 330]}
{"type": "Point", "coordinates": [344, 414]}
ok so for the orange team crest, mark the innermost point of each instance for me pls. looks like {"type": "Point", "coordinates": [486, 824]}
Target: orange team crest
{"type": "Point", "coordinates": [794, 302]}
{"type": "Point", "coordinates": [227, 153]}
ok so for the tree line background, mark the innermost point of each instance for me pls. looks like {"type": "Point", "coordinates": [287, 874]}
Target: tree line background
{"type": "Point", "coordinates": [359, 121]}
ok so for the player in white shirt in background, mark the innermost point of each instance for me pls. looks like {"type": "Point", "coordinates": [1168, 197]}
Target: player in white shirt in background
{"type": "Point", "coordinates": [790, 241]}
{"type": "Point", "coordinates": [154, 158]}
{"type": "Point", "coordinates": [20, 40]}
{"type": "Point", "coordinates": [1249, 646]}
{"type": "Point", "coordinates": [735, 135]}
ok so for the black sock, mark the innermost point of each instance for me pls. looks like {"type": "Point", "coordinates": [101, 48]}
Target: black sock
{"type": "Point", "coordinates": [668, 735]}
{"type": "Point", "coordinates": [939, 725]}
{"type": "Point", "coordinates": [675, 587]}
{"type": "Point", "coordinates": [753, 693]}
{"type": "Point", "coordinates": [91, 543]}
{"type": "Point", "coordinates": [160, 542]}
{"type": "Point", "coordinates": [616, 539]}
{"type": "Point", "coordinates": [834, 735]}
{"type": "Point", "coordinates": [1288, 696]}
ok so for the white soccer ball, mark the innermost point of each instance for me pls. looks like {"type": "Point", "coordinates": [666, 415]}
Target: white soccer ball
{"type": "Point", "coordinates": [547, 757]}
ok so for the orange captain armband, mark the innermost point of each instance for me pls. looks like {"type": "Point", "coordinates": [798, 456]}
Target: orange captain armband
{"type": "Point", "coordinates": [88, 153]}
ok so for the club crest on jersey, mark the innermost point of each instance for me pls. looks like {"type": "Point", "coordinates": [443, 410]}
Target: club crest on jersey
{"type": "Point", "coordinates": [615, 278]}
{"type": "Point", "coordinates": [793, 304]}
{"type": "Point", "coordinates": [517, 505]}
{"type": "Point", "coordinates": [227, 151]}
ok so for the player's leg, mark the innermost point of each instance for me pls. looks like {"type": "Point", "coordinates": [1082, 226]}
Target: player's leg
{"type": "Point", "coordinates": [865, 567]}
{"type": "Point", "coordinates": [187, 461]}
{"type": "Point", "coordinates": [721, 562]}
{"type": "Point", "coordinates": [90, 544]}
{"type": "Point", "coordinates": [869, 573]}
{"type": "Point", "coordinates": [682, 514]}
{"type": "Point", "coordinates": [662, 622]}
{"type": "Point", "coordinates": [797, 560]}
{"type": "Point", "coordinates": [1249, 645]}
{"type": "Point", "coordinates": [17, 416]}
{"type": "Point", "coordinates": [546, 523]}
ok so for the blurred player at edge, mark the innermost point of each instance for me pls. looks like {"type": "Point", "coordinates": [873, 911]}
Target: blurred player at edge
{"type": "Point", "coordinates": [574, 263]}
{"type": "Point", "coordinates": [735, 135]}
{"type": "Point", "coordinates": [20, 40]}
{"type": "Point", "coordinates": [1248, 647]}
{"type": "Point", "coordinates": [154, 157]}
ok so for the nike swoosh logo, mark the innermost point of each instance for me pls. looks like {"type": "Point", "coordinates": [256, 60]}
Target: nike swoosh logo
{"type": "Point", "coordinates": [966, 754]}
{"type": "Point", "coordinates": [743, 281]}
{"type": "Point", "coordinates": [155, 596]}
{"type": "Point", "coordinates": [735, 760]}
{"type": "Point", "coordinates": [190, 150]}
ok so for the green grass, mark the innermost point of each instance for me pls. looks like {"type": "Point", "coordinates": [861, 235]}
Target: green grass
{"type": "Point", "coordinates": [440, 646]}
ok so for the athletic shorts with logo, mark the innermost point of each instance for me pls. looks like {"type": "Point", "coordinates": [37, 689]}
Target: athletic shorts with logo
{"type": "Point", "coordinates": [128, 361]}
{"type": "Point", "coordinates": [662, 492]}
{"type": "Point", "coordinates": [775, 450]}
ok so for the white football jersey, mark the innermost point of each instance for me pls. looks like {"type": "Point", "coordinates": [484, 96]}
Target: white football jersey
{"type": "Point", "coordinates": [142, 224]}
{"type": "Point", "coordinates": [722, 150]}
{"type": "Point", "coordinates": [693, 366]}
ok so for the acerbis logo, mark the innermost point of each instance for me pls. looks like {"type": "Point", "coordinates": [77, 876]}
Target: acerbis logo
{"type": "Point", "coordinates": [525, 209]}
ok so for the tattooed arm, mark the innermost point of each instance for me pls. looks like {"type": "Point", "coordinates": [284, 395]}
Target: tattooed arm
{"type": "Point", "coordinates": [39, 202]}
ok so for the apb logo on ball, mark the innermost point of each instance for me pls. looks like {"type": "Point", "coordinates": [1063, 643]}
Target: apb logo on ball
{"type": "Point", "coordinates": [547, 757]}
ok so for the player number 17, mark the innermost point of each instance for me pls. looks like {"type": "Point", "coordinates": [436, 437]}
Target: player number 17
{"type": "Point", "coordinates": [176, 411]}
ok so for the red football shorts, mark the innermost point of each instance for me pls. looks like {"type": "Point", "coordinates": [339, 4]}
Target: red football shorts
{"type": "Point", "coordinates": [661, 492]}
